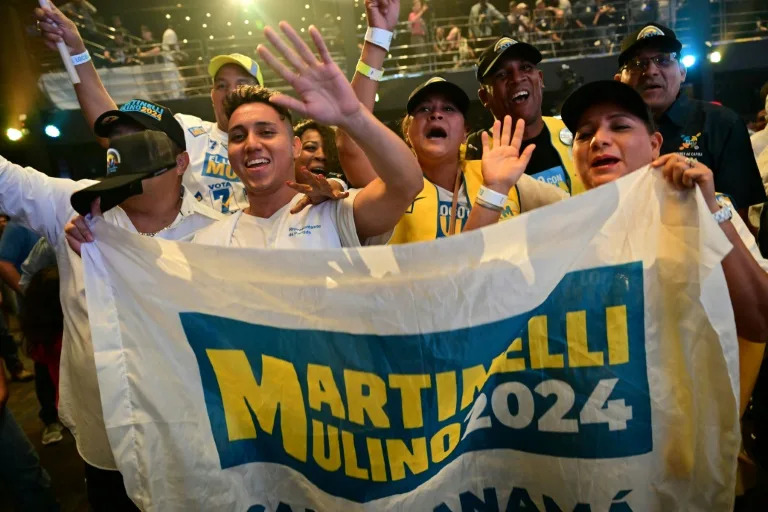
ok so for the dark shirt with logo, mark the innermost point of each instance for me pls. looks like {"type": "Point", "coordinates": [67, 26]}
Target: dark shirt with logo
{"type": "Point", "coordinates": [718, 138]}
{"type": "Point", "coordinates": [545, 164]}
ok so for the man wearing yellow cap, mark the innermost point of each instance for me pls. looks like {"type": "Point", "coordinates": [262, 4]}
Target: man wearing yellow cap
{"type": "Point", "coordinates": [209, 176]}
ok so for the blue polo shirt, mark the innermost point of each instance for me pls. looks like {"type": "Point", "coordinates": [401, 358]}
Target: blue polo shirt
{"type": "Point", "coordinates": [717, 137]}
{"type": "Point", "coordinates": [16, 243]}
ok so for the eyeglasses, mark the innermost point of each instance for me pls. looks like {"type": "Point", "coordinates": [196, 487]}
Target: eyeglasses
{"type": "Point", "coordinates": [661, 61]}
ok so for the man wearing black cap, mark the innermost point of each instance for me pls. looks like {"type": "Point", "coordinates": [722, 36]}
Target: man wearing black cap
{"type": "Point", "coordinates": [650, 62]}
{"type": "Point", "coordinates": [511, 84]}
{"type": "Point", "coordinates": [209, 177]}
{"type": "Point", "coordinates": [143, 176]}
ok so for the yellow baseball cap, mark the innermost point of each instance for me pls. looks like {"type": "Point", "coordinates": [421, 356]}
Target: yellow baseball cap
{"type": "Point", "coordinates": [247, 63]}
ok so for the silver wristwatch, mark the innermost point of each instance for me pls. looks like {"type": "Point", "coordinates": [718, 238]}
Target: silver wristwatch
{"type": "Point", "coordinates": [724, 213]}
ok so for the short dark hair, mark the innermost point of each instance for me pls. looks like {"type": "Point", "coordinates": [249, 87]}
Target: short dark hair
{"type": "Point", "coordinates": [245, 94]}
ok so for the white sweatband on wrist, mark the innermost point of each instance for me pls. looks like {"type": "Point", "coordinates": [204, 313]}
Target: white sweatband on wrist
{"type": "Point", "coordinates": [479, 201]}
{"type": "Point", "coordinates": [491, 197]}
{"type": "Point", "coordinates": [340, 182]}
{"type": "Point", "coordinates": [81, 58]}
{"type": "Point", "coordinates": [379, 37]}
{"type": "Point", "coordinates": [368, 71]}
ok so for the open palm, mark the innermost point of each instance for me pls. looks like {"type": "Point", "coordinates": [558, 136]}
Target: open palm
{"type": "Point", "coordinates": [324, 92]}
{"type": "Point", "coordinates": [503, 164]}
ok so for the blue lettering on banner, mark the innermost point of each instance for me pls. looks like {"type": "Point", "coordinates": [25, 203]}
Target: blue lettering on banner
{"type": "Point", "coordinates": [555, 176]}
{"type": "Point", "coordinates": [366, 416]}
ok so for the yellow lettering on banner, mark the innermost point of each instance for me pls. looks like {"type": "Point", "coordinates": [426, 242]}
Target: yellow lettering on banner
{"type": "Point", "coordinates": [214, 169]}
{"type": "Point", "coordinates": [322, 389]}
{"type": "Point", "coordinates": [538, 345]}
{"type": "Point", "coordinates": [331, 461]}
{"type": "Point", "coordinates": [444, 442]}
{"type": "Point", "coordinates": [350, 457]}
{"type": "Point", "coordinates": [472, 379]}
{"type": "Point", "coordinates": [446, 395]}
{"type": "Point", "coordinates": [376, 458]}
{"type": "Point", "coordinates": [410, 387]}
{"type": "Point", "coordinates": [503, 363]}
{"type": "Point", "coordinates": [578, 349]}
{"type": "Point", "coordinates": [241, 394]}
{"type": "Point", "coordinates": [230, 173]}
{"type": "Point", "coordinates": [400, 456]}
{"type": "Point", "coordinates": [616, 330]}
{"type": "Point", "coordinates": [371, 402]}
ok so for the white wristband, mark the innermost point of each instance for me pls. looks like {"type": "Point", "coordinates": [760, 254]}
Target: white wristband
{"type": "Point", "coordinates": [81, 58]}
{"type": "Point", "coordinates": [491, 196]}
{"type": "Point", "coordinates": [379, 37]}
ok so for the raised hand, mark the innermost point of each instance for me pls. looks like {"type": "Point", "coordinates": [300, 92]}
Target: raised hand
{"type": "Point", "coordinates": [54, 26]}
{"type": "Point", "coordinates": [503, 164]}
{"type": "Point", "coordinates": [316, 189]}
{"type": "Point", "coordinates": [382, 13]}
{"type": "Point", "coordinates": [325, 95]}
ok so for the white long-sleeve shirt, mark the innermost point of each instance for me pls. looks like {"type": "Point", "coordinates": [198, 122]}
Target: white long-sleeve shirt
{"type": "Point", "coordinates": [42, 204]}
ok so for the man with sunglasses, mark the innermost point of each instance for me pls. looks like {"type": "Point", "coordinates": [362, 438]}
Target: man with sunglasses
{"type": "Point", "coordinates": [712, 134]}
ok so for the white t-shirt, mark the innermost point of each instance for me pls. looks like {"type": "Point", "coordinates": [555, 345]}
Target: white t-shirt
{"type": "Point", "coordinates": [209, 176]}
{"type": "Point", "coordinates": [41, 203]}
{"type": "Point", "coordinates": [327, 225]}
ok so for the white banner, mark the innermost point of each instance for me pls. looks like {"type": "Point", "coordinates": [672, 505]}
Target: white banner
{"type": "Point", "coordinates": [581, 357]}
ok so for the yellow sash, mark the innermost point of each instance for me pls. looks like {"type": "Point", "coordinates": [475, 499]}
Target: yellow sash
{"type": "Point", "coordinates": [556, 134]}
{"type": "Point", "coordinates": [422, 220]}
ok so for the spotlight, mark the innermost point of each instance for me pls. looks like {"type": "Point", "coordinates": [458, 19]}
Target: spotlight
{"type": "Point", "coordinates": [13, 134]}
{"type": "Point", "coordinates": [167, 16]}
{"type": "Point", "coordinates": [187, 18]}
{"type": "Point", "coordinates": [715, 57]}
{"type": "Point", "coordinates": [52, 131]}
{"type": "Point", "coordinates": [688, 60]}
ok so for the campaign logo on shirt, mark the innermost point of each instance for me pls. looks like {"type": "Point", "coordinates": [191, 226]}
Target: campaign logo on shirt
{"type": "Point", "coordinates": [217, 166]}
{"type": "Point", "coordinates": [303, 230]}
{"type": "Point", "coordinates": [689, 142]}
{"type": "Point", "coordinates": [554, 176]}
{"type": "Point", "coordinates": [196, 131]}
{"type": "Point", "coordinates": [444, 217]}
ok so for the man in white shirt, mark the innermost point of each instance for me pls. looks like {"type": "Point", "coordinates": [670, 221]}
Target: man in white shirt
{"type": "Point", "coordinates": [262, 149]}
{"type": "Point", "coordinates": [150, 164]}
{"type": "Point", "coordinates": [209, 176]}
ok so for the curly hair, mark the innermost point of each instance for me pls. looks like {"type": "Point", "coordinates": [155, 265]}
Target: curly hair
{"type": "Point", "coordinates": [328, 136]}
{"type": "Point", "coordinates": [245, 94]}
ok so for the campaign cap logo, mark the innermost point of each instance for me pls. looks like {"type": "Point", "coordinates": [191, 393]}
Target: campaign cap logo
{"type": "Point", "coordinates": [113, 161]}
{"type": "Point", "coordinates": [650, 31]}
{"type": "Point", "coordinates": [503, 43]}
{"type": "Point", "coordinates": [144, 107]}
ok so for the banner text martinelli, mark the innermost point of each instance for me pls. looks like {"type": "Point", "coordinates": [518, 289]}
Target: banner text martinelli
{"type": "Point", "coordinates": [364, 417]}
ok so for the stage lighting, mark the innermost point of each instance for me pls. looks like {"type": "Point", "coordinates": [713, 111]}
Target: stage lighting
{"type": "Point", "coordinates": [715, 57]}
{"type": "Point", "coordinates": [52, 131]}
{"type": "Point", "coordinates": [688, 60]}
{"type": "Point", "coordinates": [14, 134]}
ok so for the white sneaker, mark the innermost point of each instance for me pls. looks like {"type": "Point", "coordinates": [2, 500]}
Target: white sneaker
{"type": "Point", "coordinates": [52, 433]}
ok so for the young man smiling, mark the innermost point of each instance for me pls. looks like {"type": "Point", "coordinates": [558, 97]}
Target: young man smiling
{"type": "Point", "coordinates": [262, 149]}
{"type": "Point", "coordinates": [650, 63]}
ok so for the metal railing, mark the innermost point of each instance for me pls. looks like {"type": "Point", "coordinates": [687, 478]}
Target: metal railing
{"type": "Point", "coordinates": [558, 35]}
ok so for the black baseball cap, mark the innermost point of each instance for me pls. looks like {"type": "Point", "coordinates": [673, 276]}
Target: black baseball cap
{"type": "Point", "coordinates": [130, 159]}
{"type": "Point", "coordinates": [505, 46]}
{"type": "Point", "coordinates": [151, 116]}
{"type": "Point", "coordinates": [441, 85]}
{"type": "Point", "coordinates": [603, 91]}
{"type": "Point", "coordinates": [649, 35]}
